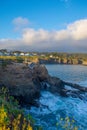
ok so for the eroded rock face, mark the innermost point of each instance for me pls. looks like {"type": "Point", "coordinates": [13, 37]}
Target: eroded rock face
{"type": "Point", "coordinates": [20, 81]}
{"type": "Point", "coordinates": [23, 82]}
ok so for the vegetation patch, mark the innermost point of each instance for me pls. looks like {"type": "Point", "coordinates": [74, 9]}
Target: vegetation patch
{"type": "Point", "coordinates": [12, 117]}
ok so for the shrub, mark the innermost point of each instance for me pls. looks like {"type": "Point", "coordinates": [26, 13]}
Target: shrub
{"type": "Point", "coordinates": [11, 116]}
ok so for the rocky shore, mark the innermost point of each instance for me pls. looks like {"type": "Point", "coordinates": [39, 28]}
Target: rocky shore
{"type": "Point", "coordinates": [63, 61]}
{"type": "Point", "coordinates": [25, 82]}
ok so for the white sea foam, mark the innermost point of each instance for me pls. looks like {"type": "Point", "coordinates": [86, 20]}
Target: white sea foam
{"type": "Point", "coordinates": [73, 107]}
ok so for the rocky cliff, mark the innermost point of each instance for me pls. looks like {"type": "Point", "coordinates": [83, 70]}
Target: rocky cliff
{"type": "Point", "coordinates": [25, 82]}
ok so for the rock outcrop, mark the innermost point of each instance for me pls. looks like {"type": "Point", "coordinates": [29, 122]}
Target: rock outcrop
{"type": "Point", "coordinates": [26, 82]}
{"type": "Point", "coordinates": [23, 82]}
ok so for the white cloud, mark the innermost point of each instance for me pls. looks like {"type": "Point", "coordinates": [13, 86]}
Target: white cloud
{"type": "Point", "coordinates": [31, 35]}
{"type": "Point", "coordinates": [73, 38]}
{"type": "Point", "coordinates": [20, 22]}
{"type": "Point", "coordinates": [75, 31]}
{"type": "Point", "coordinates": [78, 29]}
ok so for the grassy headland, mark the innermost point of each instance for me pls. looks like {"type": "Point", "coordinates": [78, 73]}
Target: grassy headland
{"type": "Point", "coordinates": [49, 58]}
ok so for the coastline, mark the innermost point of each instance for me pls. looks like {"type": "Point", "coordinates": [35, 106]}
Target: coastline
{"type": "Point", "coordinates": [25, 82]}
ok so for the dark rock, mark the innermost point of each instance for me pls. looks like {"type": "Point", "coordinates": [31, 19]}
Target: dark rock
{"type": "Point", "coordinates": [76, 86]}
{"type": "Point", "coordinates": [26, 83]}
{"type": "Point", "coordinates": [23, 87]}
{"type": "Point", "coordinates": [56, 85]}
{"type": "Point", "coordinates": [41, 72]}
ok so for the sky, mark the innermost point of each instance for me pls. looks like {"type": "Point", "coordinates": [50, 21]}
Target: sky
{"type": "Point", "coordinates": [43, 25]}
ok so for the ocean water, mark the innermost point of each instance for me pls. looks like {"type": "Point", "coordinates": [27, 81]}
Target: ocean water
{"type": "Point", "coordinates": [73, 73]}
{"type": "Point", "coordinates": [54, 107]}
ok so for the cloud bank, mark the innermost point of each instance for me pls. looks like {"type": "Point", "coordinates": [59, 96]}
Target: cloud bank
{"type": "Point", "coordinates": [71, 39]}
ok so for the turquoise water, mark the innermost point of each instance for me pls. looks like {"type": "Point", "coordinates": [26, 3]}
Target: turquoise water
{"type": "Point", "coordinates": [58, 106]}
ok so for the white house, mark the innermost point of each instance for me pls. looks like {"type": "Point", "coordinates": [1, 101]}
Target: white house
{"type": "Point", "coordinates": [27, 54]}
{"type": "Point", "coordinates": [15, 54]}
{"type": "Point", "coordinates": [51, 56]}
{"type": "Point", "coordinates": [22, 54]}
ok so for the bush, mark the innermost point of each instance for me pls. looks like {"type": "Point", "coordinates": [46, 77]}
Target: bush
{"type": "Point", "coordinates": [11, 116]}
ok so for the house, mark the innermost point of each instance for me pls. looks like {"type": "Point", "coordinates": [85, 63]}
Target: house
{"type": "Point", "coordinates": [27, 54]}
{"type": "Point", "coordinates": [6, 53]}
{"type": "Point", "coordinates": [51, 56]}
{"type": "Point", "coordinates": [34, 54]}
{"type": "Point", "coordinates": [15, 54]}
{"type": "Point", "coordinates": [22, 54]}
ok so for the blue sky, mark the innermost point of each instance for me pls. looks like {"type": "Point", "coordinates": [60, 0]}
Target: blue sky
{"type": "Point", "coordinates": [41, 18]}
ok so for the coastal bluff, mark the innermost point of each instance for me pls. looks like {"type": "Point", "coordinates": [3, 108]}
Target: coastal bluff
{"type": "Point", "coordinates": [25, 82]}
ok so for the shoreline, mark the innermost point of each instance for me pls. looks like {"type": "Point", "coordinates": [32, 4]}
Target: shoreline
{"type": "Point", "coordinates": [29, 80]}
{"type": "Point", "coordinates": [62, 64]}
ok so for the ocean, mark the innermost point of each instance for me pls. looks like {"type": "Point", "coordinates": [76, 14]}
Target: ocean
{"type": "Point", "coordinates": [61, 111]}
